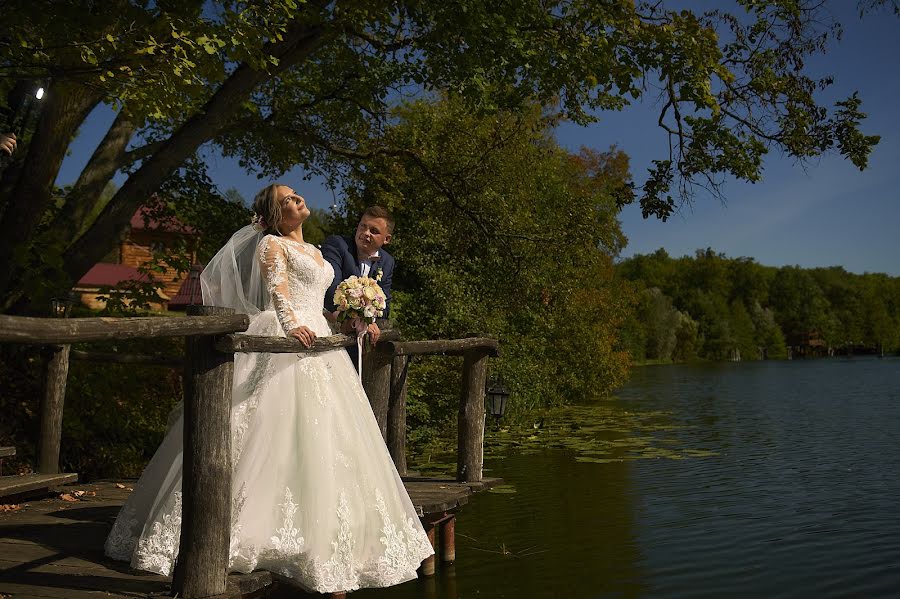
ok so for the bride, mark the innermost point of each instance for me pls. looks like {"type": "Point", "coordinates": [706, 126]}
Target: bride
{"type": "Point", "coordinates": [315, 495]}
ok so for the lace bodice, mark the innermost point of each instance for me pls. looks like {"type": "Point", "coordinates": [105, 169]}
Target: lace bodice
{"type": "Point", "coordinates": [297, 278]}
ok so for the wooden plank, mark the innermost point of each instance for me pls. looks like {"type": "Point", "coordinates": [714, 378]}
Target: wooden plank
{"type": "Point", "coordinates": [13, 485]}
{"type": "Point", "coordinates": [26, 329]}
{"type": "Point", "coordinates": [437, 496]}
{"type": "Point", "coordinates": [117, 358]}
{"type": "Point", "coordinates": [7, 451]}
{"type": "Point", "coordinates": [483, 485]}
{"type": "Point", "coordinates": [447, 347]}
{"type": "Point", "coordinates": [53, 548]}
{"type": "Point", "coordinates": [284, 345]}
{"type": "Point", "coordinates": [54, 587]}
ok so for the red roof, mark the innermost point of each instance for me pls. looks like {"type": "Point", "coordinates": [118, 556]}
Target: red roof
{"type": "Point", "coordinates": [104, 273]}
{"type": "Point", "coordinates": [189, 294]}
{"type": "Point", "coordinates": [143, 219]}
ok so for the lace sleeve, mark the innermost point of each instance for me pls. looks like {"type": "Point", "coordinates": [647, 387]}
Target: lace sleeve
{"type": "Point", "coordinates": [274, 266]}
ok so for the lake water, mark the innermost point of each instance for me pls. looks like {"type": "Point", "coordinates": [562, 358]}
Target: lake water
{"type": "Point", "coordinates": [766, 479]}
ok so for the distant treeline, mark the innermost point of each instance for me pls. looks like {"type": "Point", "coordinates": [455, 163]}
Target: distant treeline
{"type": "Point", "coordinates": [714, 307]}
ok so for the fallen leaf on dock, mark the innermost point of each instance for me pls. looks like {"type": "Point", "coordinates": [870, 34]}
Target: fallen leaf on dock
{"type": "Point", "coordinates": [68, 497]}
{"type": "Point", "coordinates": [9, 507]}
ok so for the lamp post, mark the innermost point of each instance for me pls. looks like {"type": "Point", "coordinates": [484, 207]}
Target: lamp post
{"type": "Point", "coordinates": [497, 396]}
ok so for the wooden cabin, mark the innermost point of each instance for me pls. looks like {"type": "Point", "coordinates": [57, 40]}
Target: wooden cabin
{"type": "Point", "coordinates": [146, 235]}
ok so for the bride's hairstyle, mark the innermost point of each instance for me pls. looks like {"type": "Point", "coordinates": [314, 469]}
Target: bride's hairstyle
{"type": "Point", "coordinates": [267, 208]}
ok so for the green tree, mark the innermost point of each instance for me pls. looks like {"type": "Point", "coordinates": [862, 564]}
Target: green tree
{"type": "Point", "coordinates": [661, 321]}
{"type": "Point", "coordinates": [799, 304]}
{"type": "Point", "coordinates": [843, 291]}
{"type": "Point", "coordinates": [284, 82]}
{"type": "Point", "coordinates": [880, 327]}
{"type": "Point", "coordinates": [743, 333]}
{"type": "Point", "coordinates": [768, 334]}
{"type": "Point", "coordinates": [738, 305]}
{"type": "Point", "coordinates": [687, 340]}
{"type": "Point", "coordinates": [501, 231]}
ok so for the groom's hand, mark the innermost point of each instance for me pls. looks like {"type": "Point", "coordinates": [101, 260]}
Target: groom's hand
{"type": "Point", "coordinates": [304, 335]}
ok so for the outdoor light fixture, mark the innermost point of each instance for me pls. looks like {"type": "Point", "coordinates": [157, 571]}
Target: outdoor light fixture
{"type": "Point", "coordinates": [61, 306]}
{"type": "Point", "coordinates": [194, 282]}
{"type": "Point", "coordinates": [496, 395]}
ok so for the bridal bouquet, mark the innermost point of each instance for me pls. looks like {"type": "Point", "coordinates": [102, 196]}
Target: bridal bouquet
{"type": "Point", "coordinates": [359, 300]}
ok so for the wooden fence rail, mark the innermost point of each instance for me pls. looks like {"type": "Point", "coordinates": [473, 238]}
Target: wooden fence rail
{"type": "Point", "coordinates": [211, 342]}
{"type": "Point", "coordinates": [25, 329]}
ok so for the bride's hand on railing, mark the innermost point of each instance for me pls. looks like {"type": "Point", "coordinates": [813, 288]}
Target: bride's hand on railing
{"type": "Point", "coordinates": [374, 333]}
{"type": "Point", "coordinates": [304, 335]}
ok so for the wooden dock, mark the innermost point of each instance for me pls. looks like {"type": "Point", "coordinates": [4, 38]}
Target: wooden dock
{"type": "Point", "coordinates": [53, 547]}
{"type": "Point", "coordinates": [49, 546]}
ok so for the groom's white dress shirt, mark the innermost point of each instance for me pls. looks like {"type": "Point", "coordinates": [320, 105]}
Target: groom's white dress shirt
{"type": "Point", "coordinates": [365, 266]}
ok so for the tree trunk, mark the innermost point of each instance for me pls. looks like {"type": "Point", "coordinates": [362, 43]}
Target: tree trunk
{"type": "Point", "coordinates": [65, 108]}
{"type": "Point", "coordinates": [298, 44]}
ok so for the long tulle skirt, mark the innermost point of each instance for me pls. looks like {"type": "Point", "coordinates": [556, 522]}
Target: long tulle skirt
{"type": "Point", "coordinates": [315, 495]}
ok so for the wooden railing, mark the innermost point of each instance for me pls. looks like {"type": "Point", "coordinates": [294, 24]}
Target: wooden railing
{"type": "Point", "coordinates": [211, 342]}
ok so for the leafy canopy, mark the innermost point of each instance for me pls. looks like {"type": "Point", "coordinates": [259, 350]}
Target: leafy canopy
{"type": "Point", "coordinates": [288, 82]}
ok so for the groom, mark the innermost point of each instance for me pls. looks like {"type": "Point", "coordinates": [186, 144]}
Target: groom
{"type": "Point", "coordinates": [363, 255]}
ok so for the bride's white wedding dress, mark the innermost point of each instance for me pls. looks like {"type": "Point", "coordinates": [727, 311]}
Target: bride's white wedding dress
{"type": "Point", "coordinates": [315, 495]}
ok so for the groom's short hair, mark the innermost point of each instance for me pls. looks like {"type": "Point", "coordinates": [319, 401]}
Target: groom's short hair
{"type": "Point", "coordinates": [380, 212]}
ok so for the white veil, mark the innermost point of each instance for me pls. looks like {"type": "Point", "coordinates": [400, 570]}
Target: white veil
{"type": "Point", "coordinates": [233, 278]}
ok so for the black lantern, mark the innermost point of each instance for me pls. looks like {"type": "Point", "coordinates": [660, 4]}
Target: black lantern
{"type": "Point", "coordinates": [61, 306]}
{"type": "Point", "coordinates": [496, 395]}
{"type": "Point", "coordinates": [195, 282]}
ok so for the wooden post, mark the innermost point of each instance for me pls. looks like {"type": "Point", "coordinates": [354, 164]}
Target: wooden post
{"type": "Point", "coordinates": [396, 422]}
{"type": "Point", "coordinates": [448, 540]}
{"type": "Point", "coordinates": [470, 444]}
{"type": "Point", "coordinates": [200, 569]}
{"type": "Point", "coordinates": [56, 369]}
{"type": "Point", "coordinates": [427, 567]}
{"type": "Point", "coordinates": [377, 382]}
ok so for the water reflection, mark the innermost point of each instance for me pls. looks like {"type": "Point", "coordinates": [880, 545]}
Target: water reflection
{"type": "Point", "coordinates": [782, 483]}
{"type": "Point", "coordinates": [566, 531]}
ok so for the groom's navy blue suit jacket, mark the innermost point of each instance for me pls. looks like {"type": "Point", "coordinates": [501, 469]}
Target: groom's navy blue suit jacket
{"type": "Point", "coordinates": [341, 253]}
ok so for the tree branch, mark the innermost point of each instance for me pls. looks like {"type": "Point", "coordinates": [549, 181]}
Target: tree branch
{"type": "Point", "coordinates": [84, 196]}
{"type": "Point", "coordinates": [299, 43]}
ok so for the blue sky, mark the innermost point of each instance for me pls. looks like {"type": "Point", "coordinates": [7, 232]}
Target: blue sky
{"type": "Point", "coordinates": [823, 213]}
